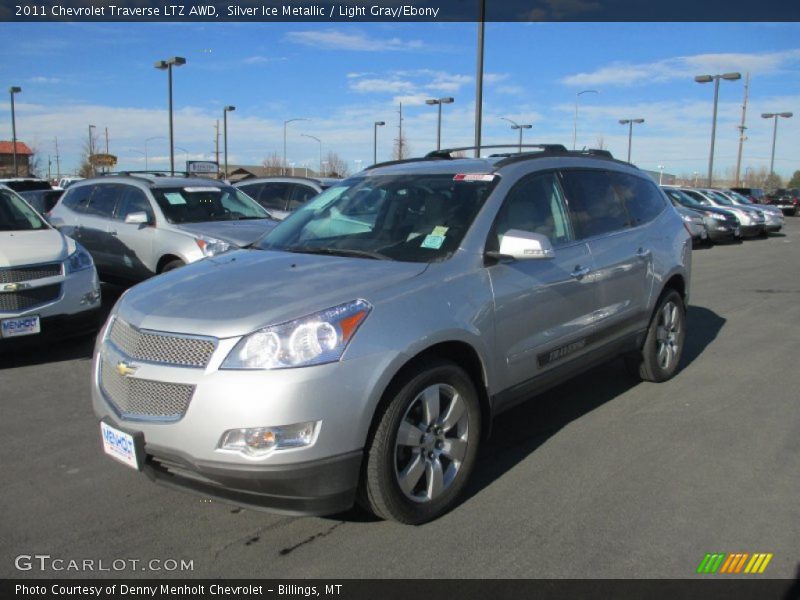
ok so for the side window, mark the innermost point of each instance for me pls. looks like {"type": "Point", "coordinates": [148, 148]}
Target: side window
{"type": "Point", "coordinates": [104, 200]}
{"type": "Point", "coordinates": [594, 205]}
{"type": "Point", "coordinates": [300, 195]}
{"type": "Point", "coordinates": [251, 190]}
{"type": "Point", "coordinates": [536, 204]}
{"type": "Point", "coordinates": [77, 198]}
{"type": "Point", "coordinates": [642, 199]}
{"type": "Point", "coordinates": [133, 200]}
{"type": "Point", "coordinates": [275, 196]}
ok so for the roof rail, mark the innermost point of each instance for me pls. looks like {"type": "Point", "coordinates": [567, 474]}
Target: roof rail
{"type": "Point", "coordinates": [448, 152]}
{"type": "Point", "coordinates": [151, 173]}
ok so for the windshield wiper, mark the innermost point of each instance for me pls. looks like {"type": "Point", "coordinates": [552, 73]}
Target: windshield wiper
{"type": "Point", "coordinates": [337, 252]}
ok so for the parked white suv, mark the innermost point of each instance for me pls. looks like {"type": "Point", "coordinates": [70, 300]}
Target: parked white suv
{"type": "Point", "coordinates": [48, 284]}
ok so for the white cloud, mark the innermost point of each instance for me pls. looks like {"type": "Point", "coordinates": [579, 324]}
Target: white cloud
{"type": "Point", "coordinates": [390, 86]}
{"type": "Point", "coordinates": [260, 60]}
{"type": "Point", "coordinates": [333, 39]}
{"type": "Point", "coordinates": [683, 67]}
{"type": "Point", "coordinates": [47, 80]}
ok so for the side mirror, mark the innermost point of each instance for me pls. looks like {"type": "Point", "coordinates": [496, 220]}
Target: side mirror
{"type": "Point", "coordinates": [137, 218]}
{"type": "Point", "coordinates": [523, 245]}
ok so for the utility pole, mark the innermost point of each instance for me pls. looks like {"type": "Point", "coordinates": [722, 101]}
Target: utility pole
{"type": "Point", "coordinates": [400, 139]}
{"type": "Point", "coordinates": [105, 169]}
{"type": "Point", "coordinates": [58, 161]}
{"type": "Point", "coordinates": [216, 142]}
{"type": "Point", "coordinates": [742, 127]}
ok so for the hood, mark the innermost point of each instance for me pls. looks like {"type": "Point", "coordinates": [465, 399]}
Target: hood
{"type": "Point", "coordinates": [239, 233]}
{"type": "Point", "coordinates": [239, 292]}
{"type": "Point", "coordinates": [20, 248]}
{"type": "Point", "coordinates": [711, 209]}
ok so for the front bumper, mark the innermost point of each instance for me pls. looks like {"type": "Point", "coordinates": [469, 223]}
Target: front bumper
{"type": "Point", "coordinates": [752, 230]}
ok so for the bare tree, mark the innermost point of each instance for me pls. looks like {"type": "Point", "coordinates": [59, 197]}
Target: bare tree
{"type": "Point", "coordinates": [400, 150]}
{"type": "Point", "coordinates": [35, 163]}
{"type": "Point", "coordinates": [273, 160]}
{"type": "Point", "coordinates": [336, 165]}
{"type": "Point", "coordinates": [600, 143]}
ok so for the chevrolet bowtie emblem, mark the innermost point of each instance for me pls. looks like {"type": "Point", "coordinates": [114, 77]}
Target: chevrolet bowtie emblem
{"type": "Point", "coordinates": [13, 287]}
{"type": "Point", "coordinates": [124, 369]}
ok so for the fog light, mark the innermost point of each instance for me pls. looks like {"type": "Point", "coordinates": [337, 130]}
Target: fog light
{"type": "Point", "coordinates": [92, 297]}
{"type": "Point", "coordinates": [260, 441]}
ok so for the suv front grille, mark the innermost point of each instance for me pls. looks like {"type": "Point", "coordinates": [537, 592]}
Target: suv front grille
{"type": "Point", "coordinates": [29, 298]}
{"type": "Point", "coordinates": [162, 348]}
{"type": "Point", "coordinates": [143, 398]}
{"type": "Point", "coordinates": [17, 274]}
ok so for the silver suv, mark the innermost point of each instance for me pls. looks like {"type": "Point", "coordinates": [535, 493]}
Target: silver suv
{"type": "Point", "coordinates": [360, 350]}
{"type": "Point", "coordinates": [137, 226]}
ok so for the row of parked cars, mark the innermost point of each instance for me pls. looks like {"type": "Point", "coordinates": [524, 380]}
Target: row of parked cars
{"type": "Point", "coordinates": [723, 215]}
{"type": "Point", "coordinates": [358, 349]}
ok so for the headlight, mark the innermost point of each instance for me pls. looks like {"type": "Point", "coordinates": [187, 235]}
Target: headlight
{"type": "Point", "coordinates": [717, 216]}
{"type": "Point", "coordinates": [79, 260]}
{"type": "Point", "coordinates": [312, 340]}
{"type": "Point", "coordinates": [211, 246]}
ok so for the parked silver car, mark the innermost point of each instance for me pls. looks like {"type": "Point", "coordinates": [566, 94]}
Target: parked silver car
{"type": "Point", "coordinates": [138, 226]}
{"type": "Point", "coordinates": [282, 195]}
{"type": "Point", "coordinates": [751, 221]}
{"type": "Point", "coordinates": [773, 215]}
{"type": "Point", "coordinates": [48, 285]}
{"type": "Point", "coordinates": [361, 349]}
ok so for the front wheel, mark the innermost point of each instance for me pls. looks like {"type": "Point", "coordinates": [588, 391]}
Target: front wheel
{"type": "Point", "coordinates": [663, 346]}
{"type": "Point", "coordinates": [424, 446]}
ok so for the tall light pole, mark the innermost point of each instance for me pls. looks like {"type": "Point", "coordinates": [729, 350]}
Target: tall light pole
{"type": "Point", "coordinates": [225, 112]}
{"type": "Point", "coordinates": [438, 102]}
{"type": "Point", "coordinates": [479, 78]}
{"type": "Point", "coordinates": [175, 61]}
{"type": "Point", "coordinates": [374, 141]}
{"type": "Point", "coordinates": [515, 125]}
{"type": "Point", "coordinates": [715, 79]}
{"type": "Point", "coordinates": [285, 123]}
{"type": "Point", "coordinates": [660, 173]}
{"type": "Point", "coordinates": [774, 117]}
{"type": "Point", "coordinates": [14, 89]}
{"type": "Point", "coordinates": [320, 149]}
{"type": "Point", "coordinates": [629, 123]}
{"type": "Point", "coordinates": [575, 122]}
{"type": "Point", "coordinates": [91, 148]}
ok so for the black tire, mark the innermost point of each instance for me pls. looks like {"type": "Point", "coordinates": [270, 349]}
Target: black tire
{"type": "Point", "coordinates": [172, 265]}
{"type": "Point", "coordinates": [662, 349]}
{"type": "Point", "coordinates": [388, 462]}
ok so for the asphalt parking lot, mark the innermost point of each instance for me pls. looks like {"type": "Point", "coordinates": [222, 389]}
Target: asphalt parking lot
{"type": "Point", "coordinates": [601, 477]}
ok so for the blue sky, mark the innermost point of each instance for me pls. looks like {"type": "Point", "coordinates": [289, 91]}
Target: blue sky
{"type": "Point", "coordinates": [344, 76]}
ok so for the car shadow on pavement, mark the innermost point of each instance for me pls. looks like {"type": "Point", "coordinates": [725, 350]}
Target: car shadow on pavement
{"type": "Point", "coordinates": [32, 352]}
{"type": "Point", "coordinates": [520, 431]}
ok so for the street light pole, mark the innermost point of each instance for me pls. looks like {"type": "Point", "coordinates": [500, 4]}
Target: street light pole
{"type": "Point", "coordinates": [374, 141]}
{"type": "Point", "coordinates": [774, 116]}
{"type": "Point", "coordinates": [14, 89]}
{"type": "Point", "coordinates": [479, 78]}
{"type": "Point", "coordinates": [575, 122]}
{"type": "Point", "coordinates": [515, 125]}
{"type": "Point", "coordinates": [176, 61]}
{"type": "Point", "coordinates": [629, 123]}
{"type": "Point", "coordinates": [320, 149]}
{"type": "Point", "coordinates": [225, 112]}
{"type": "Point", "coordinates": [439, 102]}
{"type": "Point", "coordinates": [660, 173]}
{"type": "Point", "coordinates": [91, 150]}
{"type": "Point", "coordinates": [285, 123]}
{"type": "Point", "coordinates": [715, 79]}
{"type": "Point", "coordinates": [157, 137]}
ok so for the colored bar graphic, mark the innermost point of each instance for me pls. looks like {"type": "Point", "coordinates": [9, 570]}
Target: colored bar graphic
{"type": "Point", "coordinates": [723, 563]}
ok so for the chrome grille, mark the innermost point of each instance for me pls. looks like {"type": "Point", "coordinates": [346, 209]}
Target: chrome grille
{"type": "Point", "coordinates": [29, 298]}
{"type": "Point", "coordinates": [17, 274]}
{"type": "Point", "coordinates": [161, 348]}
{"type": "Point", "coordinates": [143, 398]}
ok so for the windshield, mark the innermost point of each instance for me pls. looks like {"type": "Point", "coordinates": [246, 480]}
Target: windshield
{"type": "Point", "coordinates": [16, 215]}
{"type": "Point", "coordinates": [721, 198]}
{"type": "Point", "coordinates": [412, 218]}
{"type": "Point", "coordinates": [697, 197]}
{"type": "Point", "coordinates": [739, 198]}
{"type": "Point", "coordinates": [196, 204]}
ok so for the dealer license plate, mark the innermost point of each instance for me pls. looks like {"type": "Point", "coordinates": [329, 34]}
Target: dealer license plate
{"type": "Point", "coordinates": [20, 326]}
{"type": "Point", "coordinates": [120, 446]}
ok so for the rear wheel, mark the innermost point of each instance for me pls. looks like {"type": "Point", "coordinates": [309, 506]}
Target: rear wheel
{"type": "Point", "coordinates": [663, 346]}
{"type": "Point", "coordinates": [172, 265]}
{"type": "Point", "coordinates": [424, 446]}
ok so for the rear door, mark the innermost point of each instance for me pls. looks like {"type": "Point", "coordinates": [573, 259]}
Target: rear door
{"type": "Point", "coordinates": [606, 209]}
{"type": "Point", "coordinates": [543, 307]}
{"type": "Point", "coordinates": [95, 223]}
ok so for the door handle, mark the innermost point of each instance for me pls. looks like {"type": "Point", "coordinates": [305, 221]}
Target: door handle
{"type": "Point", "coordinates": [579, 272]}
{"type": "Point", "coordinates": [643, 253]}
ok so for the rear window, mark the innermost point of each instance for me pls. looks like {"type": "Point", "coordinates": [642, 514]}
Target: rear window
{"type": "Point", "coordinates": [16, 215]}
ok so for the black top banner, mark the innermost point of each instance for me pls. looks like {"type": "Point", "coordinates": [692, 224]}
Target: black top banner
{"type": "Point", "coordinates": [400, 10]}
